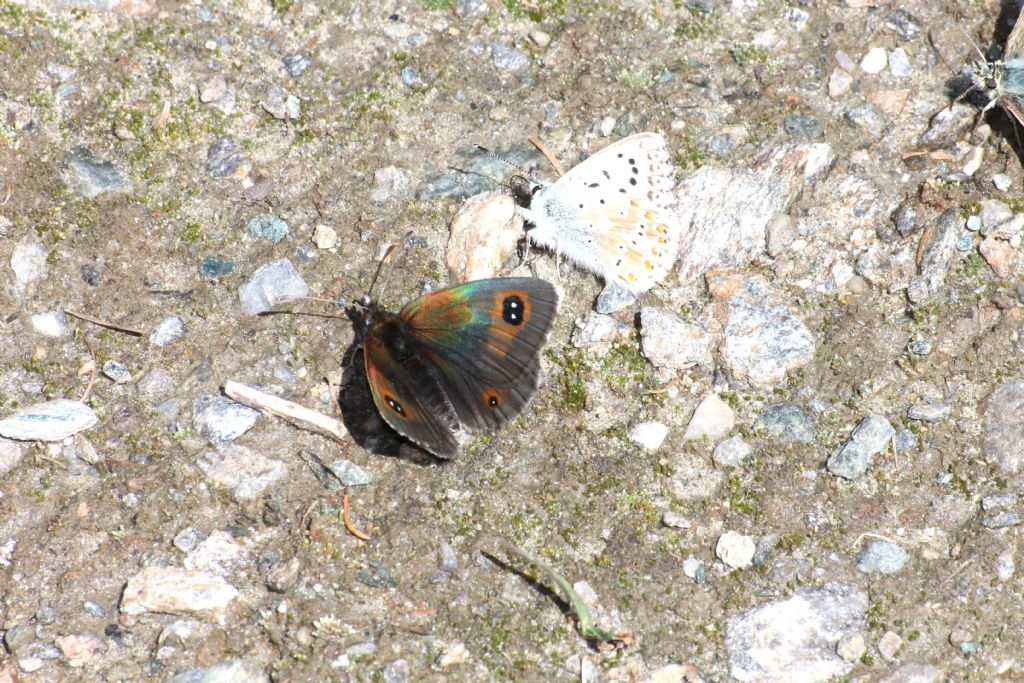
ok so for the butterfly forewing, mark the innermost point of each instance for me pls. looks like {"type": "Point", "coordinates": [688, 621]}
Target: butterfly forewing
{"type": "Point", "coordinates": [614, 213]}
{"type": "Point", "coordinates": [485, 339]}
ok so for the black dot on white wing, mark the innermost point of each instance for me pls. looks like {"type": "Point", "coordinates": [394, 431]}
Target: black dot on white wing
{"type": "Point", "coordinates": [581, 206]}
{"type": "Point", "coordinates": [622, 190]}
{"type": "Point", "coordinates": [632, 181]}
{"type": "Point", "coordinates": [635, 170]}
{"type": "Point", "coordinates": [592, 185]}
{"type": "Point", "coordinates": [620, 155]}
{"type": "Point", "coordinates": [602, 201]}
{"type": "Point", "coordinates": [632, 162]}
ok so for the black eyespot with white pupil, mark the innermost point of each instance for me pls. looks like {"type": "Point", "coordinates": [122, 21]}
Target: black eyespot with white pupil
{"type": "Point", "coordinates": [395, 406]}
{"type": "Point", "coordinates": [512, 310]}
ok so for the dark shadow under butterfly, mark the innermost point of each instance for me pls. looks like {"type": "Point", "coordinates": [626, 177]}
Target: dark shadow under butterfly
{"type": "Point", "coordinates": [457, 361]}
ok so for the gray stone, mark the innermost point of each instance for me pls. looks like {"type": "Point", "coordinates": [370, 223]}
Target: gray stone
{"type": "Point", "coordinates": [389, 182]}
{"type": "Point", "coordinates": [274, 283]}
{"type": "Point", "coordinates": [117, 371]}
{"type": "Point", "coordinates": [470, 9]}
{"type": "Point", "coordinates": [223, 157]}
{"type": "Point", "coordinates": [267, 226]}
{"type": "Point", "coordinates": [804, 127]}
{"type": "Point", "coordinates": [230, 671]}
{"type": "Point", "coordinates": [788, 422]}
{"type": "Point", "coordinates": [870, 437]}
{"type": "Point", "coordinates": [906, 441]}
{"type": "Point", "coordinates": [448, 560]}
{"type": "Point", "coordinates": [994, 212]}
{"type": "Point", "coordinates": [93, 176]}
{"type": "Point", "coordinates": [595, 329]}
{"type": "Point", "coordinates": [245, 473]}
{"type": "Point", "coordinates": [726, 211]}
{"type": "Point", "coordinates": [29, 261]}
{"type": "Point", "coordinates": [296, 65]}
{"type": "Point", "coordinates": [1002, 520]}
{"type": "Point", "coordinates": [220, 419]}
{"type": "Point", "coordinates": [167, 331]}
{"type": "Point", "coordinates": [881, 557]}
{"type": "Point", "coordinates": [929, 412]}
{"type": "Point", "coordinates": [509, 58]}
{"type": "Point", "coordinates": [282, 105]}
{"type": "Point", "coordinates": [905, 24]}
{"type": "Point", "coordinates": [899, 63]}
{"type": "Point", "coordinates": [669, 342]}
{"type": "Point", "coordinates": [936, 258]}
{"type": "Point", "coordinates": [795, 639]}
{"type": "Point", "coordinates": [613, 298]}
{"type": "Point", "coordinates": [349, 473]}
{"type": "Point", "coordinates": [11, 453]}
{"type": "Point", "coordinates": [732, 452]}
{"type": "Point", "coordinates": [50, 421]}
{"type": "Point", "coordinates": [1004, 426]}
{"type": "Point", "coordinates": [763, 337]}
{"type": "Point", "coordinates": [50, 324]}
{"type": "Point", "coordinates": [868, 119]}
{"type": "Point", "coordinates": [997, 501]}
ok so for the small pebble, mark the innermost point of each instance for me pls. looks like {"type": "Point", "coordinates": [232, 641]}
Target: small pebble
{"type": "Point", "coordinates": [851, 647]}
{"type": "Point", "coordinates": [117, 371]}
{"type": "Point", "coordinates": [613, 298]}
{"type": "Point", "coordinates": [867, 118]}
{"type": "Point", "coordinates": [845, 61]}
{"type": "Point", "coordinates": [712, 419]}
{"type": "Point", "coordinates": [94, 609]}
{"type": "Point", "coordinates": [998, 501]}
{"type": "Point", "coordinates": [187, 539]}
{"type": "Point", "coordinates": [29, 261]}
{"type": "Point", "coordinates": [215, 266]}
{"type": "Point", "coordinates": [905, 24]}
{"type": "Point", "coordinates": [1002, 182]}
{"type": "Point", "coordinates": [410, 77]}
{"type": "Point", "coordinates": [870, 437]}
{"type": "Point", "coordinates": [282, 105]}
{"type": "Point", "coordinates": [448, 559]}
{"type": "Point", "coordinates": [649, 435]}
{"type": "Point", "coordinates": [50, 421]}
{"type": "Point", "coordinates": [296, 65]}
{"type": "Point", "coordinates": [675, 520]}
{"type": "Point", "coordinates": [349, 473]}
{"type": "Point", "coordinates": [881, 557]}
{"type": "Point", "coordinates": [267, 226]}
{"type": "Point", "coordinates": [973, 223]}
{"type": "Point", "coordinates": [509, 58]}
{"type": "Point", "coordinates": [540, 38]}
{"type": "Point", "coordinates": [929, 412]}
{"type": "Point", "coordinates": [50, 324]}
{"type": "Point", "coordinates": [906, 441]}
{"type": "Point", "coordinates": [389, 182]}
{"type": "Point", "coordinates": [274, 283]}
{"type": "Point", "coordinates": [732, 452]}
{"type": "Point", "coordinates": [1002, 520]}
{"type": "Point", "coordinates": [735, 549]}
{"type": "Point", "coordinates": [1005, 566]}
{"type": "Point", "coordinates": [168, 330]}
{"type": "Point", "coordinates": [325, 237]}
{"type": "Point", "coordinates": [223, 157]}
{"type": "Point", "coordinates": [839, 83]}
{"type": "Point", "coordinates": [222, 420]}
{"type": "Point", "coordinates": [889, 645]}
{"type": "Point", "coordinates": [90, 275]}
{"type": "Point", "coordinates": [93, 176]}
{"type": "Point", "coordinates": [803, 127]}
{"type": "Point", "coordinates": [694, 569]}
{"type": "Point", "coordinates": [899, 63]}
{"type": "Point", "coordinates": [788, 422]}
{"type": "Point", "coordinates": [874, 61]}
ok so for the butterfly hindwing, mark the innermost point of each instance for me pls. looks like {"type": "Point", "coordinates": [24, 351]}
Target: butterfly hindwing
{"type": "Point", "coordinates": [406, 390]}
{"type": "Point", "coordinates": [613, 214]}
{"type": "Point", "coordinates": [485, 338]}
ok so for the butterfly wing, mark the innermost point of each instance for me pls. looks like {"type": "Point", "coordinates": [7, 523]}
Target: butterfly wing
{"type": "Point", "coordinates": [485, 338]}
{"type": "Point", "coordinates": [613, 214]}
{"type": "Point", "coordinates": [406, 389]}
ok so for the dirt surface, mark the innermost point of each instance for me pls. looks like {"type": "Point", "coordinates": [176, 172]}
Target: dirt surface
{"type": "Point", "coordinates": [430, 596]}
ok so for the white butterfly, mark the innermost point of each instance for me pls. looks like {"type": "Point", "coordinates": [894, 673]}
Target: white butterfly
{"type": "Point", "coordinates": [613, 214]}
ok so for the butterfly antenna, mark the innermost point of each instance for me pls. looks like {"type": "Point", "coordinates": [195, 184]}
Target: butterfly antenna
{"type": "Point", "coordinates": [522, 171]}
{"type": "Point", "coordinates": [388, 256]}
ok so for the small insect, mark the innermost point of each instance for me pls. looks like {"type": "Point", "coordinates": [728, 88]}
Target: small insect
{"type": "Point", "coordinates": [613, 214]}
{"type": "Point", "coordinates": [1002, 80]}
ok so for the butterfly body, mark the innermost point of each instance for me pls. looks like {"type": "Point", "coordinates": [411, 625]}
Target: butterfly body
{"type": "Point", "coordinates": [1003, 79]}
{"type": "Point", "coordinates": [613, 214]}
{"type": "Point", "coordinates": [459, 360]}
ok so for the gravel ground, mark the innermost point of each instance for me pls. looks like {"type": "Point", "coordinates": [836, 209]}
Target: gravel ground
{"type": "Point", "coordinates": [797, 459]}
